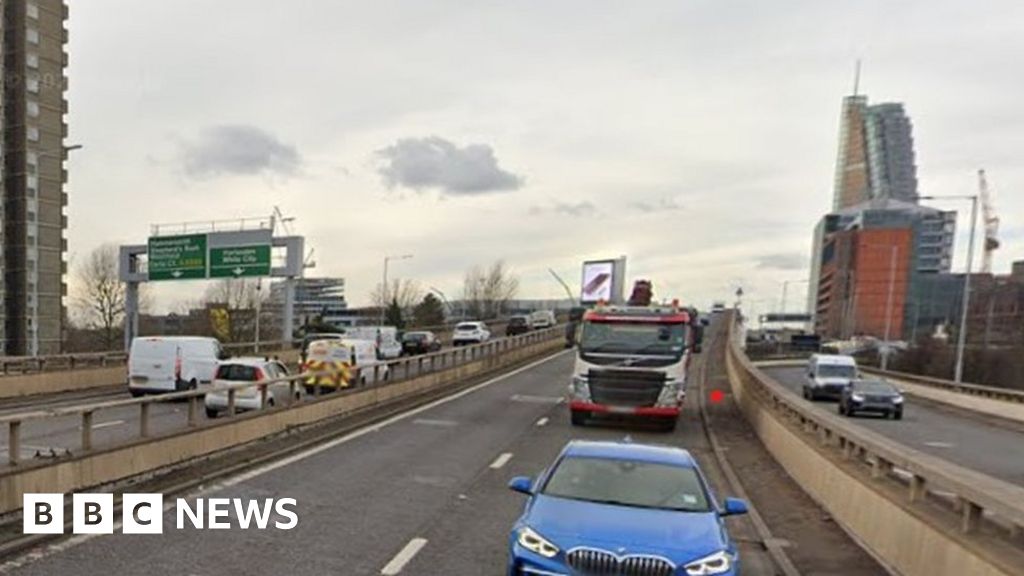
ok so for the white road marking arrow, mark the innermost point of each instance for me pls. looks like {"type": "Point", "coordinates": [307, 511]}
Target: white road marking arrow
{"type": "Point", "coordinates": [238, 271]}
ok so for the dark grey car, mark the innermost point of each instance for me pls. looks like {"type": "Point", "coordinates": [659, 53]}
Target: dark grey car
{"type": "Point", "coordinates": [877, 396]}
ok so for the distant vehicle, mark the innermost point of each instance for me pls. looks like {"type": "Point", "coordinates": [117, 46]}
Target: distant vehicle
{"type": "Point", "coordinates": [540, 319]}
{"type": "Point", "coordinates": [172, 363]}
{"type": "Point", "coordinates": [643, 292]}
{"type": "Point", "coordinates": [420, 342]}
{"type": "Point", "coordinates": [239, 370]}
{"type": "Point", "coordinates": [348, 359]}
{"type": "Point", "coordinates": [828, 375]}
{"type": "Point", "coordinates": [633, 360]}
{"type": "Point", "coordinates": [517, 325]}
{"type": "Point", "coordinates": [620, 508]}
{"type": "Point", "coordinates": [389, 346]}
{"type": "Point", "coordinates": [314, 337]}
{"type": "Point", "coordinates": [470, 333]}
{"type": "Point", "coordinates": [718, 307]}
{"type": "Point", "coordinates": [877, 396]}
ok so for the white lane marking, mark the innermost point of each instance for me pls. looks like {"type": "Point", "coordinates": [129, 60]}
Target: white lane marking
{"type": "Point", "coordinates": [939, 444]}
{"type": "Point", "coordinates": [43, 552]}
{"type": "Point", "coordinates": [429, 422]}
{"type": "Point", "coordinates": [536, 399]}
{"type": "Point", "coordinates": [543, 421]}
{"type": "Point", "coordinates": [500, 461]}
{"type": "Point", "coordinates": [403, 557]}
{"type": "Point", "coordinates": [107, 424]}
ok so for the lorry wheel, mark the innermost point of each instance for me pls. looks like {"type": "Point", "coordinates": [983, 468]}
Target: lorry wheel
{"type": "Point", "coordinates": [669, 425]}
{"type": "Point", "coordinates": [136, 393]}
{"type": "Point", "coordinates": [579, 418]}
{"type": "Point", "coordinates": [211, 413]}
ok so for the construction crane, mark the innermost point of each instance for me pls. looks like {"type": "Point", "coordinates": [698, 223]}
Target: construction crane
{"type": "Point", "coordinates": [991, 221]}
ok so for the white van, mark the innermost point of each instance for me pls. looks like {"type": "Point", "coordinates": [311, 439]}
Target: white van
{"type": "Point", "coordinates": [828, 375]}
{"type": "Point", "coordinates": [386, 337]}
{"type": "Point", "coordinates": [172, 363]}
{"type": "Point", "coordinates": [360, 354]}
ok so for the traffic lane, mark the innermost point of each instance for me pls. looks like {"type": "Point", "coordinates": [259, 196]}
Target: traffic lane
{"type": "Point", "coordinates": [961, 439]}
{"type": "Point", "coordinates": [471, 536]}
{"type": "Point", "coordinates": [359, 502]}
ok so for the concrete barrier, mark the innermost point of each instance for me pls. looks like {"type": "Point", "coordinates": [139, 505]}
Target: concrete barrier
{"type": "Point", "coordinates": [55, 382]}
{"type": "Point", "coordinates": [150, 454]}
{"type": "Point", "coordinates": [939, 520]}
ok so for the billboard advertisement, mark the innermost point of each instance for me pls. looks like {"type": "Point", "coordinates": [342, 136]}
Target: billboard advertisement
{"type": "Point", "coordinates": [598, 281]}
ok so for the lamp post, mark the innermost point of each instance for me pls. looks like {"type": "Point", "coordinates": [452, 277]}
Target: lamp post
{"type": "Point", "coordinates": [444, 299]}
{"type": "Point", "coordinates": [785, 287]}
{"type": "Point", "coordinates": [961, 337]}
{"type": "Point", "coordinates": [384, 285]}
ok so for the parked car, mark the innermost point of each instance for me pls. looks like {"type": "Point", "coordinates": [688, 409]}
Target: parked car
{"type": "Point", "coordinates": [828, 375]}
{"type": "Point", "coordinates": [256, 370]}
{"type": "Point", "coordinates": [420, 342]}
{"type": "Point", "coordinates": [172, 363]}
{"type": "Point", "coordinates": [517, 325]}
{"type": "Point", "coordinates": [877, 396]}
{"type": "Point", "coordinates": [470, 333]}
{"type": "Point", "coordinates": [341, 362]}
{"type": "Point", "coordinates": [541, 319]}
{"type": "Point", "coordinates": [614, 508]}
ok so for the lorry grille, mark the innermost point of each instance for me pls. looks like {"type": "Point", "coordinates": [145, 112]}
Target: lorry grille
{"type": "Point", "coordinates": [588, 562]}
{"type": "Point", "coordinates": [625, 387]}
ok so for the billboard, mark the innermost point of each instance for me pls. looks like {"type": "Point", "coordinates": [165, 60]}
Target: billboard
{"type": "Point", "coordinates": [603, 280]}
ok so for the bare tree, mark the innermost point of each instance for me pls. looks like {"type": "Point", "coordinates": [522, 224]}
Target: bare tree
{"type": "Point", "coordinates": [486, 292]}
{"type": "Point", "coordinates": [407, 293]}
{"type": "Point", "coordinates": [232, 305]}
{"type": "Point", "coordinates": [101, 299]}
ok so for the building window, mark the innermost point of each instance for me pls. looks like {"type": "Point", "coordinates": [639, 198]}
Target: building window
{"type": "Point", "coordinates": [32, 60]}
{"type": "Point", "coordinates": [33, 134]}
{"type": "Point", "coordinates": [32, 84]}
{"type": "Point", "coordinates": [32, 108]}
{"type": "Point", "coordinates": [32, 10]}
{"type": "Point", "coordinates": [32, 35]}
{"type": "Point", "coordinates": [30, 216]}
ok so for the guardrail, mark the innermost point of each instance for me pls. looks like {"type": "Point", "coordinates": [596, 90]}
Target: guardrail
{"type": "Point", "coordinates": [979, 390]}
{"type": "Point", "coordinates": [396, 371]}
{"type": "Point", "coordinates": [978, 501]}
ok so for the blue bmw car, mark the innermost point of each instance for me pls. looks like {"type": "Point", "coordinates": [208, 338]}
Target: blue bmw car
{"type": "Point", "coordinates": [622, 509]}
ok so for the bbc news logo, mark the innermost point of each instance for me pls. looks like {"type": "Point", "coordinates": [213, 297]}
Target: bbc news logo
{"type": "Point", "coordinates": [144, 514]}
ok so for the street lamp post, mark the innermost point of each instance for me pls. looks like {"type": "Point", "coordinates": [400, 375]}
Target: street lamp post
{"type": "Point", "coordinates": [384, 285]}
{"type": "Point", "coordinates": [785, 287]}
{"type": "Point", "coordinates": [961, 337]}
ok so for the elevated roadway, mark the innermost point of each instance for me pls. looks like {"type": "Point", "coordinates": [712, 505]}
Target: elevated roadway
{"type": "Point", "coordinates": [988, 445]}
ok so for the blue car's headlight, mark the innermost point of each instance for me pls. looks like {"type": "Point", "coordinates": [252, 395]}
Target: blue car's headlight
{"type": "Point", "coordinates": [717, 563]}
{"type": "Point", "coordinates": [529, 539]}
{"type": "Point", "coordinates": [857, 397]}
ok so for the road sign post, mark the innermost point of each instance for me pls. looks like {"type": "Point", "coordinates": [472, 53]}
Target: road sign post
{"type": "Point", "coordinates": [177, 257]}
{"type": "Point", "coordinates": [240, 261]}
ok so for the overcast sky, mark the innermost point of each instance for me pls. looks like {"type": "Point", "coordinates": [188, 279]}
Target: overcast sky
{"type": "Point", "coordinates": [696, 137]}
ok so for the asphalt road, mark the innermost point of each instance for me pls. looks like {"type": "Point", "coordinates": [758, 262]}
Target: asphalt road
{"type": "Point", "coordinates": [436, 477]}
{"type": "Point", "coordinates": [965, 439]}
{"type": "Point", "coordinates": [44, 438]}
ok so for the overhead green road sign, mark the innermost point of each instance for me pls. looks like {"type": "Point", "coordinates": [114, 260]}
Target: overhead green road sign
{"type": "Point", "coordinates": [177, 257]}
{"type": "Point", "coordinates": [240, 261]}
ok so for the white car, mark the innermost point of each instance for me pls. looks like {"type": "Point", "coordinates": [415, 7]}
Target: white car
{"type": "Point", "coordinates": [172, 363]}
{"type": "Point", "coordinates": [540, 319]}
{"type": "Point", "coordinates": [470, 333]}
{"type": "Point", "coordinates": [240, 370]}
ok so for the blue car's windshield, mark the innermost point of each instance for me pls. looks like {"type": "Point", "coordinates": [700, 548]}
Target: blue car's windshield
{"type": "Point", "coordinates": [628, 483]}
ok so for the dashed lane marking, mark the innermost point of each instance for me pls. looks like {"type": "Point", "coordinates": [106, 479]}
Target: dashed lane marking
{"type": "Point", "coordinates": [403, 557]}
{"type": "Point", "coordinates": [500, 461]}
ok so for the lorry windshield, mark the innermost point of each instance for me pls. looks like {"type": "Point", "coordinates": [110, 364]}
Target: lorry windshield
{"type": "Point", "coordinates": [633, 338]}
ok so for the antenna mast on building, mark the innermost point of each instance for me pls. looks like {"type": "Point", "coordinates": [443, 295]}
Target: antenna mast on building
{"type": "Point", "coordinates": [856, 78]}
{"type": "Point", "coordinates": [991, 221]}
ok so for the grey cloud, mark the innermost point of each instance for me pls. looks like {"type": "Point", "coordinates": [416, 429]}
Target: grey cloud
{"type": "Point", "coordinates": [663, 205]}
{"type": "Point", "coordinates": [433, 162]}
{"type": "Point", "coordinates": [575, 209]}
{"type": "Point", "coordinates": [238, 150]}
{"type": "Point", "coordinates": [780, 261]}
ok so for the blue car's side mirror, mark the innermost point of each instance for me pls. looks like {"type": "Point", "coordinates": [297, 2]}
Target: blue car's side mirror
{"type": "Point", "coordinates": [734, 507]}
{"type": "Point", "coordinates": [521, 484]}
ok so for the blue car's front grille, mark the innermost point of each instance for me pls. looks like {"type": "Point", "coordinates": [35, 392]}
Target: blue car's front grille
{"type": "Point", "coordinates": [590, 562]}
